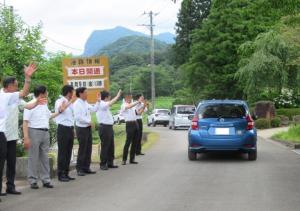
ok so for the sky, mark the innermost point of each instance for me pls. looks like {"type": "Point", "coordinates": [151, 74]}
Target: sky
{"type": "Point", "coordinates": [70, 22]}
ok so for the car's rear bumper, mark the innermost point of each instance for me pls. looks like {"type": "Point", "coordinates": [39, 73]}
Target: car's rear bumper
{"type": "Point", "coordinates": [182, 123]}
{"type": "Point", "coordinates": [244, 143]}
{"type": "Point", "coordinates": [163, 122]}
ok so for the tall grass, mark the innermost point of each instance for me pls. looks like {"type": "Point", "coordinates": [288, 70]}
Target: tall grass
{"type": "Point", "coordinates": [292, 135]}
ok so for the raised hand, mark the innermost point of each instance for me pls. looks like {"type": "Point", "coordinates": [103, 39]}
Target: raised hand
{"type": "Point", "coordinates": [29, 70]}
{"type": "Point", "coordinates": [41, 101]}
{"type": "Point", "coordinates": [64, 106]}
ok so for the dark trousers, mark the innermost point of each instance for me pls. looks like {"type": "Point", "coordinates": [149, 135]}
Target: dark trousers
{"type": "Point", "coordinates": [84, 136]}
{"type": "Point", "coordinates": [11, 164]}
{"type": "Point", "coordinates": [106, 134]}
{"type": "Point", "coordinates": [131, 139]}
{"type": "Point", "coordinates": [65, 140]}
{"type": "Point", "coordinates": [140, 136]}
{"type": "Point", "coordinates": [3, 151]}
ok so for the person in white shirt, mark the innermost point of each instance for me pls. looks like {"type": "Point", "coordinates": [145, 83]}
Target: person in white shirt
{"type": "Point", "coordinates": [65, 133]}
{"type": "Point", "coordinates": [83, 122]}
{"type": "Point", "coordinates": [140, 109]}
{"type": "Point", "coordinates": [106, 133]}
{"type": "Point", "coordinates": [10, 98]}
{"type": "Point", "coordinates": [37, 139]}
{"type": "Point", "coordinates": [128, 111]}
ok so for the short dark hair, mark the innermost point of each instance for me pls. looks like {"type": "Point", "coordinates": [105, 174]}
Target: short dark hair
{"type": "Point", "coordinates": [138, 96]}
{"type": "Point", "coordinates": [41, 89]}
{"type": "Point", "coordinates": [79, 91]}
{"type": "Point", "coordinates": [66, 90]}
{"type": "Point", "coordinates": [8, 80]}
{"type": "Point", "coordinates": [104, 94]}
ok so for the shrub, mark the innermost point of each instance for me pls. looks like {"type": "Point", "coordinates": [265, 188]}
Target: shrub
{"type": "Point", "coordinates": [289, 112]}
{"type": "Point", "coordinates": [20, 151]}
{"type": "Point", "coordinates": [296, 119]}
{"type": "Point", "coordinates": [284, 120]}
{"type": "Point", "coordinates": [262, 123]}
{"type": "Point", "coordinates": [276, 122]}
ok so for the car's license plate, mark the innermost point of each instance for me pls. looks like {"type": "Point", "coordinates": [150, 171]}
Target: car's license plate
{"type": "Point", "coordinates": [222, 131]}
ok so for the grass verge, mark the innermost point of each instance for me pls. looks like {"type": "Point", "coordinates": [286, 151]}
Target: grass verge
{"type": "Point", "coordinates": [292, 135]}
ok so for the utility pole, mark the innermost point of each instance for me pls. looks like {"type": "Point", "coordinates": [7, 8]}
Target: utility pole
{"type": "Point", "coordinates": [152, 63]}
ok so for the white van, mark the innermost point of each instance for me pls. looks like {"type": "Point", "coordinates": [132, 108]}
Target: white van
{"type": "Point", "coordinates": [181, 116]}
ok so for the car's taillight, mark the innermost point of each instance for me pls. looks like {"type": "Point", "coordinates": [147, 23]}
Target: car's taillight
{"type": "Point", "coordinates": [194, 125]}
{"type": "Point", "coordinates": [250, 122]}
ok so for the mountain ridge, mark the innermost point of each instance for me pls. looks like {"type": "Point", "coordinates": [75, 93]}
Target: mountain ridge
{"type": "Point", "coordinates": [101, 38]}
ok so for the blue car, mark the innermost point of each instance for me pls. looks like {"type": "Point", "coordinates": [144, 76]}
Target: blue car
{"type": "Point", "coordinates": [222, 125]}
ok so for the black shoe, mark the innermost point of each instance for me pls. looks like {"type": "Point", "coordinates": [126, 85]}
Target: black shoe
{"type": "Point", "coordinates": [2, 194]}
{"type": "Point", "coordinates": [63, 179]}
{"type": "Point", "coordinates": [34, 186]}
{"type": "Point", "coordinates": [124, 162]}
{"type": "Point", "coordinates": [70, 178]}
{"type": "Point", "coordinates": [13, 192]}
{"type": "Point", "coordinates": [133, 162]}
{"type": "Point", "coordinates": [48, 185]}
{"type": "Point", "coordinates": [103, 167]}
{"type": "Point", "coordinates": [113, 166]}
{"type": "Point", "coordinates": [140, 154]}
{"type": "Point", "coordinates": [80, 173]}
{"type": "Point", "coordinates": [89, 171]}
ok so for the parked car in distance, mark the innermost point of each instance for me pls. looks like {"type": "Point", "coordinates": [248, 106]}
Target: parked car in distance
{"type": "Point", "coordinates": [179, 117]}
{"type": "Point", "coordinates": [159, 117]}
{"type": "Point", "coordinates": [222, 125]}
{"type": "Point", "coordinates": [118, 118]}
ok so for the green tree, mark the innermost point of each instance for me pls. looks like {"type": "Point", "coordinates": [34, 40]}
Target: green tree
{"type": "Point", "coordinates": [19, 45]}
{"type": "Point", "coordinates": [271, 62]}
{"type": "Point", "coordinates": [214, 58]}
{"type": "Point", "coordinates": [50, 74]}
{"type": "Point", "coordinates": [190, 17]}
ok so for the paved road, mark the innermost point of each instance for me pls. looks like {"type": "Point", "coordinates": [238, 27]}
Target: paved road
{"type": "Point", "coordinates": [166, 180]}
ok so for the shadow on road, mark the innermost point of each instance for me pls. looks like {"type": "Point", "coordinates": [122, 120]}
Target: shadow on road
{"type": "Point", "coordinates": [222, 157]}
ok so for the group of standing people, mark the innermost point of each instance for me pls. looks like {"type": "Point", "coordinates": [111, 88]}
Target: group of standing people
{"type": "Point", "coordinates": [73, 116]}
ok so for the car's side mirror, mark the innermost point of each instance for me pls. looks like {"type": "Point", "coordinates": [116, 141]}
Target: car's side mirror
{"type": "Point", "coordinates": [169, 113]}
{"type": "Point", "coordinates": [190, 117]}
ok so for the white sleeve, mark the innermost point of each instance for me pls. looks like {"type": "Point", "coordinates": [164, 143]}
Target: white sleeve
{"type": "Point", "coordinates": [57, 105]}
{"type": "Point", "coordinates": [123, 108]}
{"type": "Point", "coordinates": [94, 108]}
{"type": "Point", "coordinates": [26, 115]}
{"type": "Point", "coordinates": [14, 98]}
{"type": "Point", "coordinates": [104, 106]}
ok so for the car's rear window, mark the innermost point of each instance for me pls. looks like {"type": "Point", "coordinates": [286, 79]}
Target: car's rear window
{"type": "Point", "coordinates": [222, 111]}
{"type": "Point", "coordinates": [163, 112]}
{"type": "Point", "coordinates": [186, 110]}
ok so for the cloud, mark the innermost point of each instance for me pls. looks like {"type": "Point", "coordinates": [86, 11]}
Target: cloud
{"type": "Point", "coordinates": [72, 21]}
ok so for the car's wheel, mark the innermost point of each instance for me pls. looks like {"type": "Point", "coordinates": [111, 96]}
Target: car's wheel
{"type": "Point", "coordinates": [192, 155]}
{"type": "Point", "coordinates": [252, 155]}
{"type": "Point", "coordinates": [153, 123]}
{"type": "Point", "coordinates": [148, 123]}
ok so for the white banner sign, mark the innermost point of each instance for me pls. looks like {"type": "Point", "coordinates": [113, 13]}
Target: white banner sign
{"type": "Point", "coordinates": [88, 83]}
{"type": "Point", "coordinates": [85, 71]}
